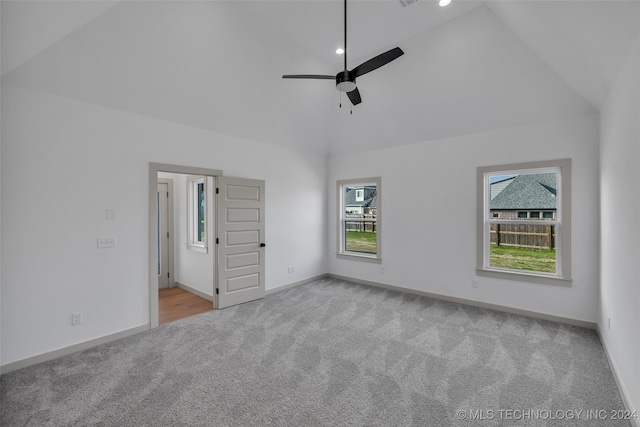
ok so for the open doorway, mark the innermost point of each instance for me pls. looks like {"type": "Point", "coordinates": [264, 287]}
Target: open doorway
{"type": "Point", "coordinates": [205, 268]}
{"type": "Point", "coordinates": [232, 244]}
{"type": "Point", "coordinates": [186, 250]}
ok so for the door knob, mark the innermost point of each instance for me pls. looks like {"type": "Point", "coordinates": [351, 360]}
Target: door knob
{"type": "Point", "coordinates": [262, 245]}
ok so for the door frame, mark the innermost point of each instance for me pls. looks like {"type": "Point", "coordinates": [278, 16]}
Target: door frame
{"type": "Point", "coordinates": [154, 168]}
{"type": "Point", "coordinates": [170, 228]}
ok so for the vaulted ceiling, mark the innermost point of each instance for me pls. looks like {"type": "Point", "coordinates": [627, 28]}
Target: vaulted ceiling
{"type": "Point", "coordinates": [217, 65]}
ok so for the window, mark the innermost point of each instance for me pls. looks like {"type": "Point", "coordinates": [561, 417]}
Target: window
{"type": "Point", "coordinates": [531, 238]}
{"type": "Point", "coordinates": [197, 213]}
{"type": "Point", "coordinates": [359, 227]}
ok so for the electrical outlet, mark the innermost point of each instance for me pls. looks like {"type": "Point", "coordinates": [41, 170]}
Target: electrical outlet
{"type": "Point", "coordinates": [76, 318]}
{"type": "Point", "coordinates": [474, 283]}
{"type": "Point", "coordinates": [293, 268]}
{"type": "Point", "coordinates": [106, 242]}
{"type": "Point", "coordinates": [382, 269]}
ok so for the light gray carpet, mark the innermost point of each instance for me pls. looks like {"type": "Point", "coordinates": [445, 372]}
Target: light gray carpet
{"type": "Point", "coordinates": [329, 353]}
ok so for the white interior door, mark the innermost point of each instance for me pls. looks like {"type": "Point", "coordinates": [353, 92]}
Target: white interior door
{"type": "Point", "coordinates": [241, 244]}
{"type": "Point", "coordinates": [163, 235]}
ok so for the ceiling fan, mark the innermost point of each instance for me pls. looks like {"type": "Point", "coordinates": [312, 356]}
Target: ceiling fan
{"type": "Point", "coordinates": [346, 80]}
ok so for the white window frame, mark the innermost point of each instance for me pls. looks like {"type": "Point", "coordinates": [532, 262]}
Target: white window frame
{"type": "Point", "coordinates": [194, 243]}
{"type": "Point", "coordinates": [342, 252]}
{"type": "Point", "coordinates": [562, 222]}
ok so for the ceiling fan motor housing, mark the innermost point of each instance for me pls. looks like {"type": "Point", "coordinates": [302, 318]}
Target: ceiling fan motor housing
{"type": "Point", "coordinates": [345, 81]}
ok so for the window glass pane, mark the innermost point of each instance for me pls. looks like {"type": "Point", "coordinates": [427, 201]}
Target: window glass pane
{"type": "Point", "coordinates": [197, 214]}
{"type": "Point", "coordinates": [360, 219]}
{"type": "Point", "coordinates": [523, 258]}
{"type": "Point", "coordinates": [200, 212]}
{"type": "Point", "coordinates": [529, 246]}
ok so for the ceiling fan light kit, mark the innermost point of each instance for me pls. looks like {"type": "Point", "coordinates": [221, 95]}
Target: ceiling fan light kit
{"type": "Point", "coordinates": [346, 80]}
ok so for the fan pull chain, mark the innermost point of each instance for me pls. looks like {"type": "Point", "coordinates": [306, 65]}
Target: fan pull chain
{"type": "Point", "coordinates": [340, 99]}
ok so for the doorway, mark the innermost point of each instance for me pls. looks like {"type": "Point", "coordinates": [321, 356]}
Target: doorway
{"type": "Point", "coordinates": [235, 242]}
{"type": "Point", "coordinates": [191, 237]}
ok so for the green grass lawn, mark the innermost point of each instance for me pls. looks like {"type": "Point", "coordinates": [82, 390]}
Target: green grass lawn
{"type": "Point", "coordinates": [541, 260]}
{"type": "Point", "coordinates": [361, 241]}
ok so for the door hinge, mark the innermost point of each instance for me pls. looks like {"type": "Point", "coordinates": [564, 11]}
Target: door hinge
{"type": "Point", "coordinates": [217, 241]}
{"type": "Point", "coordinates": [168, 275]}
{"type": "Point", "coordinates": [167, 234]}
{"type": "Point", "coordinates": [217, 190]}
{"type": "Point", "coordinates": [217, 291]}
{"type": "Point", "coordinates": [167, 194]}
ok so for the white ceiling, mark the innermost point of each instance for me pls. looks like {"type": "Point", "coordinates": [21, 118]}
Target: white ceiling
{"type": "Point", "coordinates": [217, 65]}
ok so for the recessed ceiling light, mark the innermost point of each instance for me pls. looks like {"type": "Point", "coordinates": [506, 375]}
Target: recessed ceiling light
{"type": "Point", "coordinates": [444, 2]}
{"type": "Point", "coordinates": [339, 51]}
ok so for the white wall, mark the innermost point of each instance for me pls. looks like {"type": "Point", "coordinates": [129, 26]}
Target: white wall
{"type": "Point", "coordinates": [1, 136]}
{"type": "Point", "coordinates": [429, 214]}
{"type": "Point", "coordinates": [64, 162]}
{"type": "Point", "coordinates": [620, 229]}
{"type": "Point", "coordinates": [191, 268]}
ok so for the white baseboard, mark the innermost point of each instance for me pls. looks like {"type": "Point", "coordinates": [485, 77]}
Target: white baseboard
{"type": "Point", "coordinates": [621, 387]}
{"type": "Point", "coordinates": [50, 355]}
{"type": "Point", "coordinates": [294, 284]}
{"type": "Point", "coordinates": [506, 309]}
{"type": "Point", "coordinates": [194, 291]}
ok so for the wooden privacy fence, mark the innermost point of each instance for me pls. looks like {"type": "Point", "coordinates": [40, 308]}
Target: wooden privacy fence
{"type": "Point", "coordinates": [355, 222]}
{"type": "Point", "coordinates": [536, 236]}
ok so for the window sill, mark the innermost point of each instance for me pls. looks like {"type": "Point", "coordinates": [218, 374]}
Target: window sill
{"type": "Point", "coordinates": [197, 248]}
{"type": "Point", "coordinates": [525, 277]}
{"type": "Point", "coordinates": [359, 257]}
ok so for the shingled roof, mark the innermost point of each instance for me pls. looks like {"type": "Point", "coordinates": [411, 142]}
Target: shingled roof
{"type": "Point", "coordinates": [528, 191]}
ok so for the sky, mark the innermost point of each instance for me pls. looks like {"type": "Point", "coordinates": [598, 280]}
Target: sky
{"type": "Point", "coordinates": [496, 178]}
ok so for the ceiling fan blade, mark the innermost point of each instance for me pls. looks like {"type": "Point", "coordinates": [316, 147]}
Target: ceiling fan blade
{"type": "Point", "coordinates": [308, 76]}
{"type": "Point", "coordinates": [377, 62]}
{"type": "Point", "coordinates": [354, 96]}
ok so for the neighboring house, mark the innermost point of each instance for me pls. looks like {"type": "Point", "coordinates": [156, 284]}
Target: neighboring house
{"type": "Point", "coordinates": [498, 186]}
{"type": "Point", "coordinates": [530, 196]}
{"type": "Point", "coordinates": [361, 200]}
